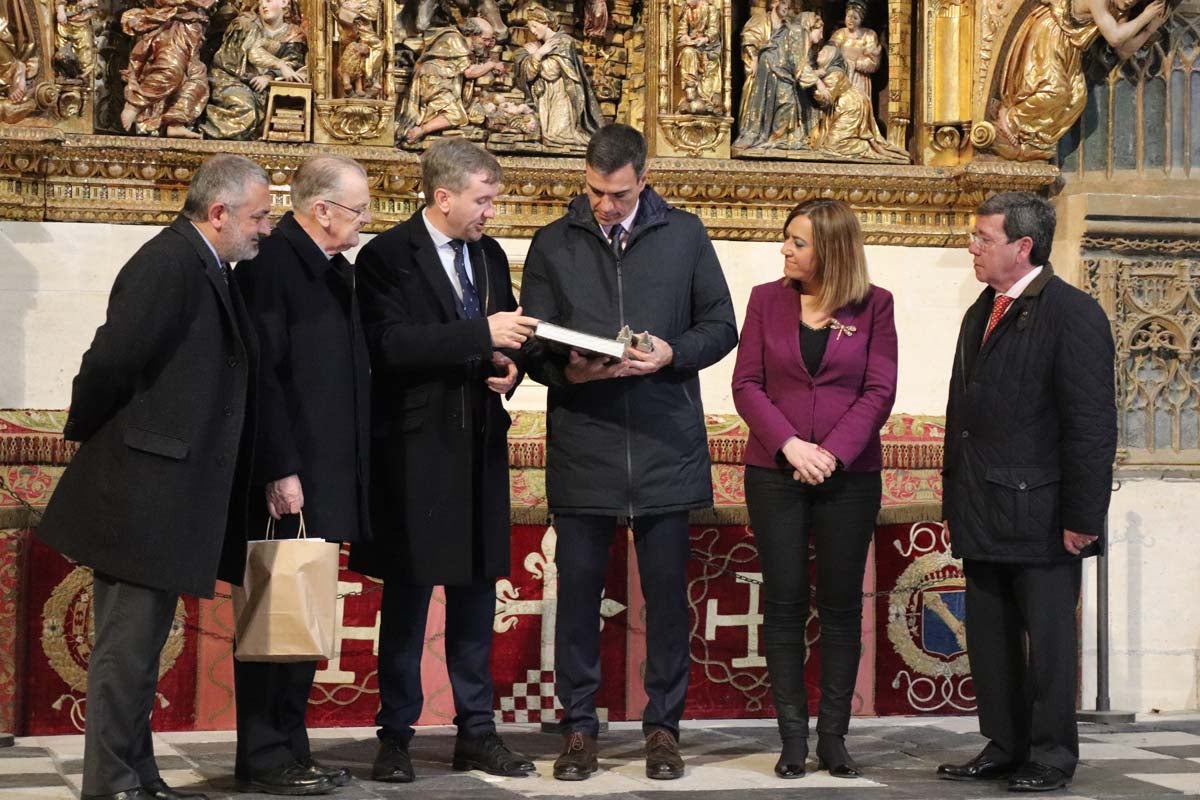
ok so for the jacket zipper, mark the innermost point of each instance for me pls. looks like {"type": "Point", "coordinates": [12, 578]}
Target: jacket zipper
{"type": "Point", "coordinates": [625, 395]}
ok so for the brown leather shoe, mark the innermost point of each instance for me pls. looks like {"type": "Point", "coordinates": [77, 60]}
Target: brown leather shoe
{"type": "Point", "coordinates": [578, 758]}
{"type": "Point", "coordinates": [663, 761]}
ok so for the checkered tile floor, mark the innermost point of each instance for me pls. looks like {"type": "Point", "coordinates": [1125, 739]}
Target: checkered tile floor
{"type": "Point", "coordinates": [1154, 758]}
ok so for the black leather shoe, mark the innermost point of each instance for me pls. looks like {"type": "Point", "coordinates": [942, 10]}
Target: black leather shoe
{"type": "Point", "coordinates": [128, 794]}
{"type": "Point", "coordinates": [1035, 777]}
{"type": "Point", "coordinates": [338, 776]}
{"type": "Point", "coordinates": [578, 758]}
{"type": "Point", "coordinates": [160, 791]}
{"type": "Point", "coordinates": [791, 760]}
{"type": "Point", "coordinates": [979, 768]}
{"type": "Point", "coordinates": [832, 755]}
{"type": "Point", "coordinates": [490, 754]}
{"type": "Point", "coordinates": [293, 779]}
{"type": "Point", "coordinates": [392, 762]}
{"type": "Point", "coordinates": [663, 762]}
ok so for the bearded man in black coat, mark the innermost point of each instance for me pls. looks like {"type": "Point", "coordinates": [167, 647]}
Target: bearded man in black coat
{"type": "Point", "coordinates": [312, 447]}
{"type": "Point", "coordinates": [442, 326]}
{"type": "Point", "coordinates": [1031, 433]}
{"type": "Point", "coordinates": [155, 499]}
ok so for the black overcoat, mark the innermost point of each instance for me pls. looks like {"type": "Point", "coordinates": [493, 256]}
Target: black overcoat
{"type": "Point", "coordinates": [439, 455]}
{"type": "Point", "coordinates": [1031, 426]}
{"type": "Point", "coordinates": [638, 445]}
{"type": "Point", "coordinates": [314, 383]}
{"type": "Point", "coordinates": [157, 493]}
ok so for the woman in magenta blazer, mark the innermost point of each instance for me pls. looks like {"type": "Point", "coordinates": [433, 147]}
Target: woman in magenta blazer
{"type": "Point", "coordinates": [815, 380]}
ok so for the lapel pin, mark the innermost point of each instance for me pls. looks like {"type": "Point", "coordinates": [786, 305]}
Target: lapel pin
{"type": "Point", "coordinates": [849, 330]}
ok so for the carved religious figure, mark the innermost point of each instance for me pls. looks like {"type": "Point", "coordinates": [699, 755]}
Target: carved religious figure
{"type": "Point", "coordinates": [258, 47]}
{"type": "Point", "coordinates": [859, 47]}
{"type": "Point", "coordinates": [847, 128]}
{"type": "Point", "coordinates": [166, 83]}
{"type": "Point", "coordinates": [698, 37]}
{"type": "Point", "coordinates": [500, 114]}
{"type": "Point", "coordinates": [74, 39]}
{"type": "Point", "coordinates": [418, 16]}
{"type": "Point", "coordinates": [360, 65]}
{"type": "Point", "coordinates": [18, 61]}
{"type": "Point", "coordinates": [595, 19]}
{"type": "Point", "coordinates": [777, 106]}
{"type": "Point", "coordinates": [1042, 89]}
{"type": "Point", "coordinates": [553, 74]}
{"type": "Point", "coordinates": [443, 79]}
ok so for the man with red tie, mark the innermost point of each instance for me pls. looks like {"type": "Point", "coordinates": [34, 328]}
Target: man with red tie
{"type": "Point", "coordinates": [1031, 433]}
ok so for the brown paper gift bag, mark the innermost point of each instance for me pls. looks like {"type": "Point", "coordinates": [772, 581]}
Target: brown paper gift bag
{"type": "Point", "coordinates": [285, 607]}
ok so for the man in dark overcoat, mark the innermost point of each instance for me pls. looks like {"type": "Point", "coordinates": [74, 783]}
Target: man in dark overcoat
{"type": "Point", "coordinates": [626, 440]}
{"type": "Point", "coordinates": [1031, 432]}
{"type": "Point", "coordinates": [439, 312]}
{"type": "Point", "coordinates": [155, 499]}
{"type": "Point", "coordinates": [313, 438]}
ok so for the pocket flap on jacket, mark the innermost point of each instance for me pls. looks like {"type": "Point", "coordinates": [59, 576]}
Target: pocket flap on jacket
{"type": "Point", "coordinates": [416, 399]}
{"type": "Point", "coordinates": [156, 443]}
{"type": "Point", "coordinates": [1022, 478]}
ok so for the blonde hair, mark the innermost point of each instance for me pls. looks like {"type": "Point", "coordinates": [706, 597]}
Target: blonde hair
{"type": "Point", "coordinates": [841, 261]}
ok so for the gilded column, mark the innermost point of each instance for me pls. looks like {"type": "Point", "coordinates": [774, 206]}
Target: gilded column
{"type": "Point", "coordinates": [946, 65]}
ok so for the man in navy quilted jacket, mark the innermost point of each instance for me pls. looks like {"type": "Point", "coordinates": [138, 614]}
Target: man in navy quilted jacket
{"type": "Point", "coordinates": [1031, 433]}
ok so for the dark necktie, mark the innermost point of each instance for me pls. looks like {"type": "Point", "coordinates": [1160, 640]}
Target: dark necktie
{"type": "Point", "coordinates": [999, 306]}
{"type": "Point", "coordinates": [614, 239]}
{"type": "Point", "coordinates": [470, 298]}
{"type": "Point", "coordinates": [223, 268]}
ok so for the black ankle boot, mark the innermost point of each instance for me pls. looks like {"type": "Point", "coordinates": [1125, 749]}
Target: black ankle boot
{"type": "Point", "coordinates": [791, 760]}
{"type": "Point", "coordinates": [832, 755]}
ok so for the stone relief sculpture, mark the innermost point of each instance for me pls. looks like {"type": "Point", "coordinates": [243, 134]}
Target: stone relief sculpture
{"type": "Point", "coordinates": [74, 39]}
{"type": "Point", "coordinates": [19, 61]}
{"type": "Point", "coordinates": [778, 111]}
{"type": "Point", "coordinates": [166, 83]}
{"type": "Point", "coordinates": [360, 65]}
{"type": "Point", "coordinates": [443, 78]}
{"type": "Point", "coordinates": [859, 47]}
{"type": "Point", "coordinates": [418, 16]}
{"type": "Point", "coordinates": [1042, 89]}
{"type": "Point", "coordinates": [553, 74]}
{"type": "Point", "coordinates": [259, 46]}
{"type": "Point", "coordinates": [595, 19]}
{"type": "Point", "coordinates": [847, 128]}
{"type": "Point", "coordinates": [698, 37]}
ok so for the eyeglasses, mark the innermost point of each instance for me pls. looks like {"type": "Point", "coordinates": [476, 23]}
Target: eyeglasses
{"type": "Point", "coordinates": [985, 244]}
{"type": "Point", "coordinates": [357, 212]}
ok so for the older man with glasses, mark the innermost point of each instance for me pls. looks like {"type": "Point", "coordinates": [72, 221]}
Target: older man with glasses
{"type": "Point", "coordinates": [313, 438]}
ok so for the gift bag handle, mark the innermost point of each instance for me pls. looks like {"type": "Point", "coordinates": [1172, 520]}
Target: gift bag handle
{"type": "Point", "coordinates": [302, 534]}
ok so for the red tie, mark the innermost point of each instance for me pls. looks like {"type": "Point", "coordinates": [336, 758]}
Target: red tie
{"type": "Point", "coordinates": [999, 306]}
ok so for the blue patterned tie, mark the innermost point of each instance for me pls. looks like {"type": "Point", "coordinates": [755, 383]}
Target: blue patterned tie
{"type": "Point", "coordinates": [470, 298]}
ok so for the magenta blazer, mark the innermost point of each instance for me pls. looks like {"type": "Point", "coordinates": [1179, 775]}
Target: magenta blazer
{"type": "Point", "coordinates": [842, 407]}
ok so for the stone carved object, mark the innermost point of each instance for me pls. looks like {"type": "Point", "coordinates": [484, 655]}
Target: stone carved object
{"type": "Point", "coordinates": [778, 111]}
{"type": "Point", "coordinates": [166, 83]}
{"type": "Point", "coordinates": [360, 64]}
{"type": "Point", "coordinates": [847, 128]}
{"type": "Point", "coordinates": [418, 16]}
{"type": "Point", "coordinates": [19, 61]}
{"type": "Point", "coordinates": [552, 72]}
{"type": "Point", "coordinates": [74, 39]}
{"type": "Point", "coordinates": [698, 37]}
{"type": "Point", "coordinates": [595, 19]}
{"type": "Point", "coordinates": [443, 80]}
{"type": "Point", "coordinates": [259, 47]}
{"type": "Point", "coordinates": [858, 46]}
{"type": "Point", "coordinates": [1042, 89]}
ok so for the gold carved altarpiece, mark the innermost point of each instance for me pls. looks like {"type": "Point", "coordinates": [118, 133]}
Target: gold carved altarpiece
{"type": "Point", "coordinates": [673, 68]}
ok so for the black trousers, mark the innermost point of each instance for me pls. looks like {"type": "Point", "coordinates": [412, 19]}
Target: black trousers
{"type": "Point", "coordinates": [470, 611]}
{"type": "Point", "coordinates": [272, 700]}
{"type": "Point", "coordinates": [132, 623]}
{"type": "Point", "coordinates": [582, 559]}
{"type": "Point", "coordinates": [1023, 646]}
{"type": "Point", "coordinates": [839, 515]}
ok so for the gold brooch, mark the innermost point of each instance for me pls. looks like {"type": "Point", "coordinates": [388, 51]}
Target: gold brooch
{"type": "Point", "coordinates": [849, 330]}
